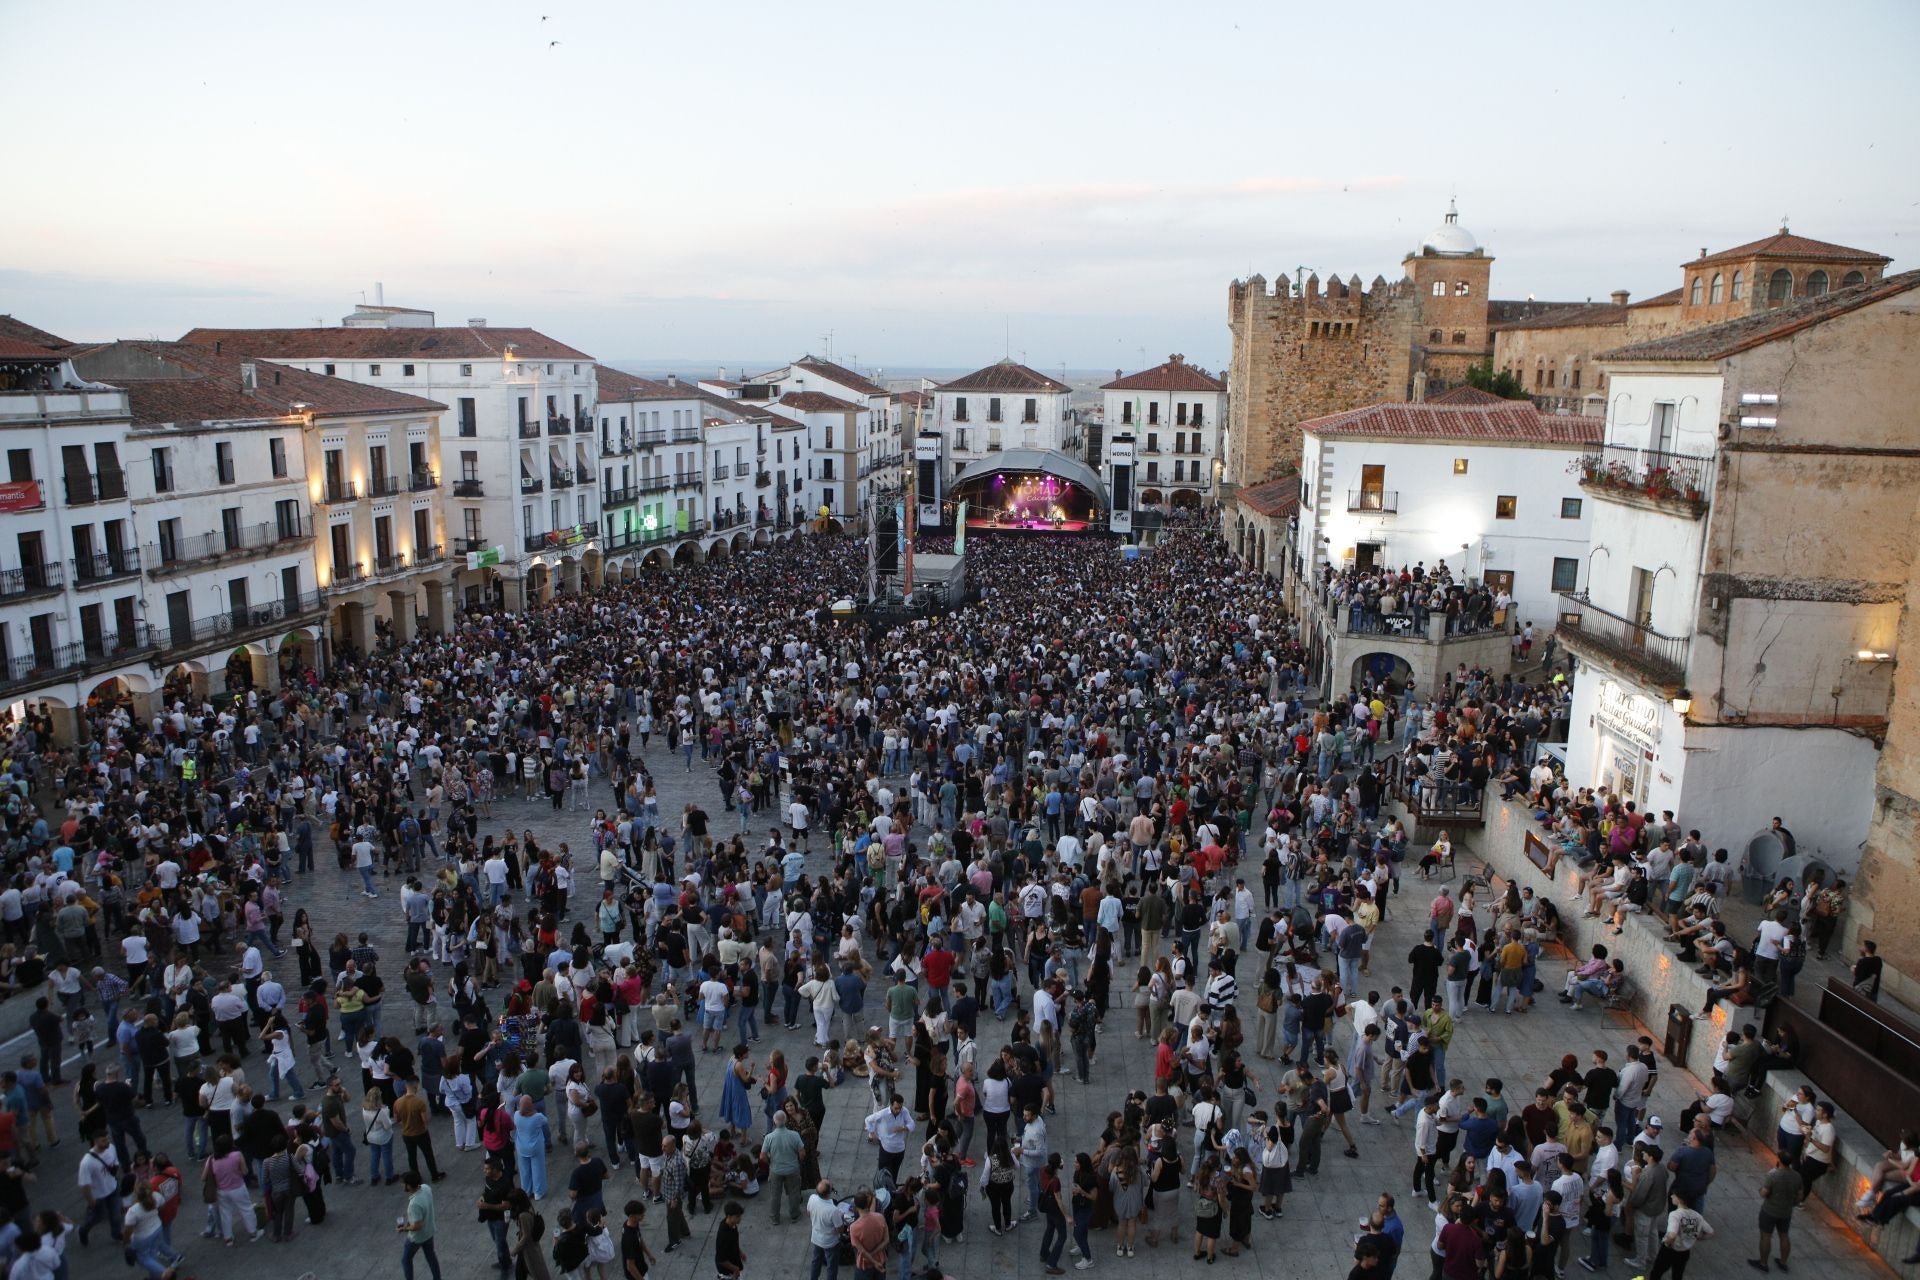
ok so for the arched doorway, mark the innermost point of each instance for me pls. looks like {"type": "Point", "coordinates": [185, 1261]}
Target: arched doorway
{"type": "Point", "coordinates": [239, 669]}
{"type": "Point", "coordinates": [740, 542]}
{"type": "Point", "coordinates": [762, 538]}
{"type": "Point", "coordinates": [687, 553]}
{"type": "Point", "coordinates": [1186, 500]}
{"type": "Point", "coordinates": [719, 549]}
{"type": "Point", "coordinates": [177, 686]}
{"type": "Point", "coordinates": [1371, 669]}
{"type": "Point", "coordinates": [1151, 497]}
{"type": "Point", "coordinates": [297, 655]}
{"type": "Point", "coordinates": [539, 582]}
{"type": "Point", "coordinates": [657, 559]}
{"type": "Point", "coordinates": [592, 567]}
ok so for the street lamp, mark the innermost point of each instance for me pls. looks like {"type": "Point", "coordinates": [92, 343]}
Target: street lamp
{"type": "Point", "coordinates": [1683, 702]}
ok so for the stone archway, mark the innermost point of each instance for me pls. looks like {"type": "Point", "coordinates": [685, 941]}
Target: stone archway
{"type": "Point", "coordinates": [657, 559]}
{"type": "Point", "coordinates": [1151, 497]}
{"type": "Point", "coordinates": [762, 538]}
{"type": "Point", "coordinates": [539, 582]}
{"type": "Point", "coordinates": [718, 550]}
{"type": "Point", "coordinates": [1186, 500]}
{"type": "Point", "coordinates": [593, 570]}
{"type": "Point", "coordinates": [1370, 669]}
{"type": "Point", "coordinates": [688, 553]}
{"type": "Point", "coordinates": [297, 654]}
{"type": "Point", "coordinates": [740, 542]}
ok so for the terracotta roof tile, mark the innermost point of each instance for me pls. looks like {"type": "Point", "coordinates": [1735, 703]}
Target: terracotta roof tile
{"type": "Point", "coordinates": [1716, 342]}
{"type": "Point", "coordinates": [447, 342]}
{"type": "Point", "coordinates": [189, 383]}
{"type": "Point", "coordinates": [911, 397]}
{"type": "Point", "coordinates": [1005, 375]}
{"type": "Point", "coordinates": [624, 388]}
{"type": "Point", "coordinates": [1671, 298]}
{"type": "Point", "coordinates": [15, 349]}
{"type": "Point", "coordinates": [1505, 311]}
{"type": "Point", "coordinates": [1272, 497]}
{"type": "Point", "coordinates": [839, 375]}
{"type": "Point", "coordinates": [1784, 244]}
{"type": "Point", "coordinates": [817, 402]}
{"type": "Point", "coordinates": [1175, 375]}
{"type": "Point", "coordinates": [1514, 421]}
{"type": "Point", "coordinates": [21, 331]}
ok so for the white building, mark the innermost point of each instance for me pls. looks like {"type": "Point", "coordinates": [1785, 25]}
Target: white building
{"type": "Point", "coordinates": [1003, 406]}
{"type": "Point", "coordinates": [1175, 413]}
{"type": "Point", "coordinates": [1489, 489]}
{"type": "Point", "coordinates": [520, 449]}
{"type": "Point", "coordinates": [72, 607]}
{"type": "Point", "coordinates": [1751, 548]}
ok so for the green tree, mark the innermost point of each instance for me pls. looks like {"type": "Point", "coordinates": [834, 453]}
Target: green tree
{"type": "Point", "coordinates": [1503, 384]}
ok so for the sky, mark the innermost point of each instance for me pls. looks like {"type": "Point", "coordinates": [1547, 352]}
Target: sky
{"type": "Point", "coordinates": [931, 184]}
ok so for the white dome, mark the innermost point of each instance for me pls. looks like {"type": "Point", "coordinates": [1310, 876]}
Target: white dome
{"type": "Point", "coordinates": [1450, 238]}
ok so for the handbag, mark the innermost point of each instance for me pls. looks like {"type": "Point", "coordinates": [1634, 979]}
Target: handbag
{"type": "Point", "coordinates": [1206, 1208]}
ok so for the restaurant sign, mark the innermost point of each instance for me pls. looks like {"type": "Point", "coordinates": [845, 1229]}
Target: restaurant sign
{"type": "Point", "coordinates": [1632, 716]}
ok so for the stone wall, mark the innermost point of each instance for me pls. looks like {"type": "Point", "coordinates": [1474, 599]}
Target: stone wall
{"type": "Point", "coordinates": [1300, 354]}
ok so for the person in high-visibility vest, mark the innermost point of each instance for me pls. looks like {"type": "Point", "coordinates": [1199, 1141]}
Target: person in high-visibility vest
{"type": "Point", "coordinates": [189, 769]}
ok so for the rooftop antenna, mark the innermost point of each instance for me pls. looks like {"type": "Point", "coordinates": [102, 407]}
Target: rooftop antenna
{"type": "Point", "coordinates": [827, 339]}
{"type": "Point", "coordinates": [1006, 337]}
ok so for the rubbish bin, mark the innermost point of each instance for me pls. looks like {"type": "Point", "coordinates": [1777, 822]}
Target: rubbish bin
{"type": "Point", "coordinates": [1679, 1034]}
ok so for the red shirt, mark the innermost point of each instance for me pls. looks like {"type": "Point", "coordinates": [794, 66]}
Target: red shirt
{"type": "Point", "coordinates": [1461, 1244]}
{"type": "Point", "coordinates": [937, 964]}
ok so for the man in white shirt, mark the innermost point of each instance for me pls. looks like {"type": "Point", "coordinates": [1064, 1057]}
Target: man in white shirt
{"type": "Point", "coordinates": [713, 1010]}
{"type": "Point", "coordinates": [888, 1128]}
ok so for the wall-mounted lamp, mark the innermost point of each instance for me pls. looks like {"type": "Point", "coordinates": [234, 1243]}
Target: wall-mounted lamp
{"type": "Point", "coordinates": [1683, 702]}
{"type": "Point", "coordinates": [1873, 655]}
{"type": "Point", "coordinates": [1759, 397]}
{"type": "Point", "coordinates": [1766, 423]}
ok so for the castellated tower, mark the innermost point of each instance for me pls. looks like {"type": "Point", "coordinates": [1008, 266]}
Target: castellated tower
{"type": "Point", "coordinates": [1301, 349]}
{"type": "Point", "coordinates": [1302, 352]}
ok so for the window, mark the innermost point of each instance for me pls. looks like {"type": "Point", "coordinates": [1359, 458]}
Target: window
{"type": "Point", "coordinates": [1566, 574]}
{"type": "Point", "coordinates": [1739, 285]}
{"type": "Point", "coordinates": [1715, 291]}
{"type": "Point", "coordinates": [223, 460]}
{"type": "Point", "coordinates": [169, 540]}
{"type": "Point", "coordinates": [230, 528]}
{"type": "Point", "coordinates": [406, 371]}
{"type": "Point", "coordinates": [162, 471]}
{"type": "Point", "coordinates": [466, 371]}
{"type": "Point", "coordinates": [1694, 291]}
{"type": "Point", "coordinates": [469, 417]}
{"type": "Point", "coordinates": [1576, 379]}
{"type": "Point", "coordinates": [1126, 412]}
{"type": "Point", "coordinates": [327, 369]}
{"type": "Point", "coordinates": [1435, 336]}
{"type": "Point", "coordinates": [1153, 471]}
{"type": "Point", "coordinates": [1539, 377]}
{"type": "Point", "coordinates": [1459, 338]}
{"type": "Point", "coordinates": [1780, 285]}
{"type": "Point", "coordinates": [1030, 412]}
{"type": "Point", "coordinates": [1851, 279]}
{"type": "Point", "coordinates": [1816, 284]}
{"type": "Point", "coordinates": [1503, 506]}
{"type": "Point", "coordinates": [1459, 466]}
{"type": "Point", "coordinates": [1153, 442]}
{"type": "Point", "coordinates": [829, 435]}
{"type": "Point", "coordinates": [1439, 288]}
{"type": "Point", "coordinates": [1180, 416]}
{"type": "Point", "coordinates": [1462, 289]}
{"type": "Point", "coordinates": [470, 521]}
{"type": "Point", "coordinates": [373, 371]}
{"type": "Point", "coordinates": [959, 408]}
{"type": "Point", "coordinates": [1570, 508]}
{"type": "Point", "coordinates": [1663, 426]}
{"type": "Point", "coordinates": [993, 409]}
{"type": "Point", "coordinates": [526, 518]}
{"type": "Point", "coordinates": [341, 538]}
{"type": "Point", "coordinates": [277, 456]}
{"type": "Point", "coordinates": [1153, 412]}
{"type": "Point", "coordinates": [286, 517]}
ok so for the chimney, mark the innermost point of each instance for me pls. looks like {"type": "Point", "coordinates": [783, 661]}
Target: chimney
{"type": "Point", "coordinates": [1619, 297]}
{"type": "Point", "coordinates": [673, 379]}
{"type": "Point", "coordinates": [476, 322]}
{"type": "Point", "coordinates": [1703, 251]}
{"type": "Point", "coordinates": [249, 375]}
{"type": "Point", "coordinates": [379, 294]}
{"type": "Point", "coordinates": [723, 373]}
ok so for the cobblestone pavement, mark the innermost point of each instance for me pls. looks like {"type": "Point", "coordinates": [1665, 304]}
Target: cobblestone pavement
{"type": "Point", "coordinates": [1313, 1239]}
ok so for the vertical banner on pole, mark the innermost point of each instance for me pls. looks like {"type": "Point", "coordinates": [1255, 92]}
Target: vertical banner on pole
{"type": "Point", "coordinates": [960, 530]}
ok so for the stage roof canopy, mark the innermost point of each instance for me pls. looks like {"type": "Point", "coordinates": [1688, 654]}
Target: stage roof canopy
{"type": "Point", "coordinates": [1050, 461]}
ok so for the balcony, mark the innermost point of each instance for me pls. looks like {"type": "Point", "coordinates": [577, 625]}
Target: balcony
{"type": "Point", "coordinates": [105, 566]}
{"type": "Point", "coordinates": [686, 435]}
{"type": "Point", "coordinates": [1378, 501]}
{"type": "Point", "coordinates": [685, 479]}
{"type": "Point", "coordinates": [608, 449]}
{"type": "Point", "coordinates": [175, 556]}
{"type": "Point", "coordinates": [532, 484]}
{"type": "Point", "coordinates": [993, 446]}
{"type": "Point", "coordinates": [1359, 617]}
{"type": "Point", "coordinates": [430, 555]}
{"type": "Point", "coordinates": [339, 491]}
{"type": "Point", "coordinates": [104, 486]}
{"type": "Point", "coordinates": [650, 436]}
{"type": "Point", "coordinates": [30, 580]}
{"type": "Point", "coordinates": [462, 546]}
{"type": "Point", "coordinates": [560, 477]}
{"type": "Point", "coordinates": [761, 479]}
{"type": "Point", "coordinates": [66, 660]}
{"type": "Point", "coordinates": [384, 486]}
{"type": "Point", "coordinates": [469, 487]}
{"type": "Point", "coordinates": [421, 480]}
{"type": "Point", "coordinates": [719, 473]}
{"type": "Point", "coordinates": [346, 575]}
{"type": "Point", "coordinates": [1589, 631]}
{"type": "Point", "coordinates": [529, 430]}
{"type": "Point", "coordinates": [654, 484]}
{"type": "Point", "coordinates": [742, 469]}
{"type": "Point", "coordinates": [242, 622]}
{"type": "Point", "coordinates": [559, 425]}
{"type": "Point", "coordinates": [393, 562]}
{"type": "Point", "coordinates": [619, 497]}
{"type": "Point", "coordinates": [1677, 483]}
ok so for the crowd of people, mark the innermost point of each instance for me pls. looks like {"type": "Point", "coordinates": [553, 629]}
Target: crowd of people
{"type": "Point", "coordinates": [1052, 800]}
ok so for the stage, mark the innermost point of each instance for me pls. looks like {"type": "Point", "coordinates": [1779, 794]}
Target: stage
{"type": "Point", "coordinates": [1029, 526]}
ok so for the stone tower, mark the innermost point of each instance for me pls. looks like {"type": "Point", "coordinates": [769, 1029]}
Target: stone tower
{"type": "Point", "coordinates": [1302, 349]}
